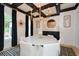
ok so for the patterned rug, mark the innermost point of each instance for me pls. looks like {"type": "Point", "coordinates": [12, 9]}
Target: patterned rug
{"type": "Point", "coordinates": [15, 51]}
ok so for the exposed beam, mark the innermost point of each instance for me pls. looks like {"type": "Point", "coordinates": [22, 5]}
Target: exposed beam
{"type": "Point", "coordinates": [35, 16]}
{"type": "Point", "coordinates": [48, 6]}
{"type": "Point", "coordinates": [7, 4]}
{"type": "Point", "coordinates": [70, 8]}
{"type": "Point", "coordinates": [67, 9]}
{"type": "Point", "coordinates": [45, 7]}
{"type": "Point", "coordinates": [28, 13]}
{"type": "Point", "coordinates": [58, 8]}
{"type": "Point", "coordinates": [42, 14]}
{"type": "Point", "coordinates": [16, 4]}
{"type": "Point", "coordinates": [52, 15]}
{"type": "Point", "coordinates": [35, 9]}
{"type": "Point", "coordinates": [76, 5]}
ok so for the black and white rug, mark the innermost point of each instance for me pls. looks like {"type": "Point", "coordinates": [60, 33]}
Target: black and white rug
{"type": "Point", "coordinates": [15, 51]}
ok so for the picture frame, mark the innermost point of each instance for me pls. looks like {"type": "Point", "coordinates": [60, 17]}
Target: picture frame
{"type": "Point", "coordinates": [67, 21]}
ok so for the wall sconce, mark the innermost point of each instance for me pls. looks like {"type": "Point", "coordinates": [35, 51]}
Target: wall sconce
{"type": "Point", "coordinates": [20, 22]}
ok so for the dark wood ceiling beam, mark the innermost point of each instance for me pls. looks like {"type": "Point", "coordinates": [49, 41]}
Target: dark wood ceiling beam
{"type": "Point", "coordinates": [35, 16]}
{"type": "Point", "coordinates": [76, 5]}
{"type": "Point", "coordinates": [16, 4]}
{"type": "Point", "coordinates": [67, 9]}
{"type": "Point", "coordinates": [70, 8]}
{"type": "Point", "coordinates": [42, 14]}
{"type": "Point", "coordinates": [7, 4]}
{"type": "Point", "coordinates": [44, 7]}
{"type": "Point", "coordinates": [35, 9]}
{"type": "Point", "coordinates": [48, 6]}
{"type": "Point", "coordinates": [58, 8]}
{"type": "Point", "coordinates": [52, 15]}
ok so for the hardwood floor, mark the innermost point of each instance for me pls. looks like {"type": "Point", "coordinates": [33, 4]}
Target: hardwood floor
{"type": "Point", "coordinates": [76, 50]}
{"type": "Point", "coordinates": [67, 51]}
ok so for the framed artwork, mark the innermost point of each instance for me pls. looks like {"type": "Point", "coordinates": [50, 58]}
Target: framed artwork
{"type": "Point", "coordinates": [67, 21]}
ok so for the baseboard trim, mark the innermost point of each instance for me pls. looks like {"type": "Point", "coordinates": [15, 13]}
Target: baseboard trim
{"type": "Point", "coordinates": [66, 45]}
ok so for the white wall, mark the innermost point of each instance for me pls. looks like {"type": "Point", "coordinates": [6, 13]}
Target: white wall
{"type": "Point", "coordinates": [20, 28]}
{"type": "Point", "coordinates": [69, 36]}
{"type": "Point", "coordinates": [76, 28]}
{"type": "Point", "coordinates": [56, 28]}
{"type": "Point", "coordinates": [36, 22]}
{"type": "Point", "coordinates": [43, 25]}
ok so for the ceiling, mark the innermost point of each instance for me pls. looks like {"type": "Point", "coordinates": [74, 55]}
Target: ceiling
{"type": "Point", "coordinates": [43, 9]}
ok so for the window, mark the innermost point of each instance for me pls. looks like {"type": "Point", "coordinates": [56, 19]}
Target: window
{"type": "Point", "coordinates": [7, 26]}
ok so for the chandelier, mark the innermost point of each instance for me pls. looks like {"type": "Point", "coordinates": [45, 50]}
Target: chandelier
{"type": "Point", "coordinates": [39, 11]}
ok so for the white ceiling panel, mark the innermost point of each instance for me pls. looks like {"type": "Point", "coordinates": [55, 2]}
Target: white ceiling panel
{"type": "Point", "coordinates": [39, 4]}
{"type": "Point", "coordinates": [49, 11]}
{"type": "Point", "coordinates": [25, 7]}
{"type": "Point", "coordinates": [67, 5]}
